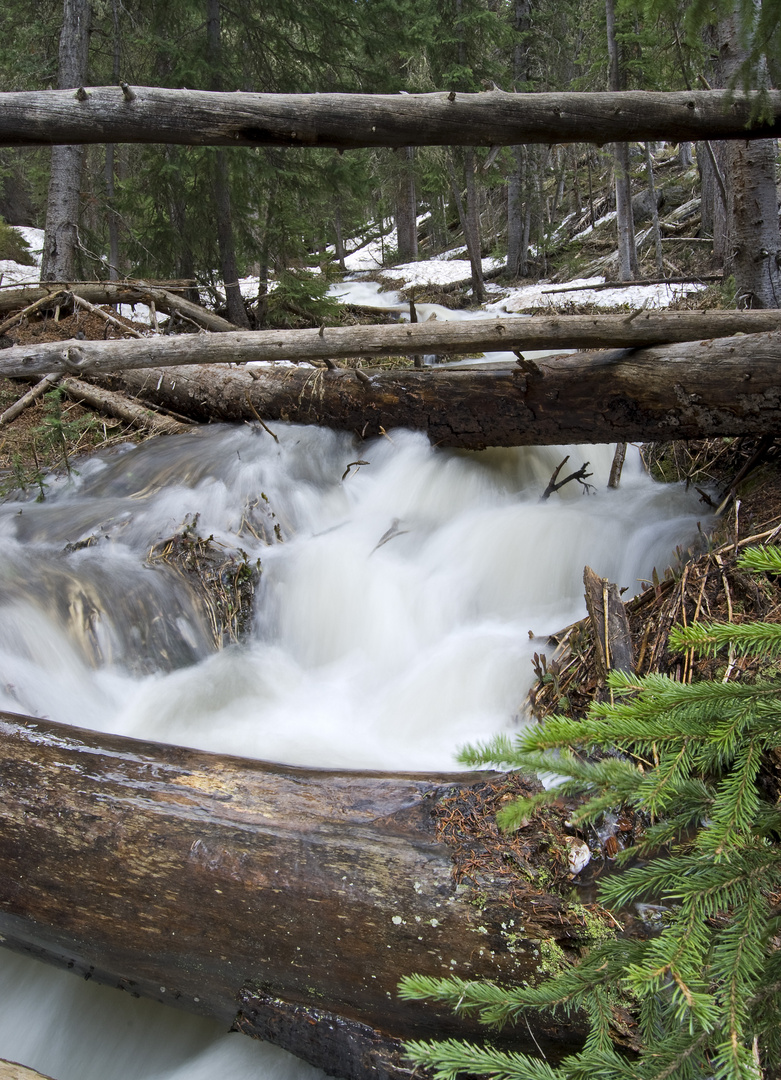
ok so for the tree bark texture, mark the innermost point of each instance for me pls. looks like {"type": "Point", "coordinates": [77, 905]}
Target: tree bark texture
{"type": "Point", "coordinates": [752, 252]}
{"type": "Point", "coordinates": [199, 117]}
{"type": "Point", "coordinates": [62, 207]}
{"type": "Point", "coordinates": [640, 329]}
{"type": "Point", "coordinates": [728, 386]}
{"type": "Point", "coordinates": [286, 902]}
{"type": "Point", "coordinates": [627, 252]}
{"type": "Point", "coordinates": [237, 313]}
{"type": "Point", "coordinates": [406, 206]}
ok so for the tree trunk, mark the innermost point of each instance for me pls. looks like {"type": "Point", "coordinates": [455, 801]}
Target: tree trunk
{"type": "Point", "coordinates": [339, 238]}
{"type": "Point", "coordinates": [286, 902]}
{"type": "Point", "coordinates": [725, 387]}
{"type": "Point", "coordinates": [753, 241]}
{"type": "Point", "coordinates": [112, 218]}
{"type": "Point", "coordinates": [467, 219]}
{"type": "Point", "coordinates": [61, 238]}
{"type": "Point", "coordinates": [406, 208]}
{"type": "Point", "coordinates": [515, 213]}
{"type": "Point", "coordinates": [516, 187]}
{"type": "Point", "coordinates": [346, 121]}
{"type": "Point", "coordinates": [638, 330]}
{"type": "Point", "coordinates": [237, 312]}
{"type": "Point", "coordinates": [628, 269]}
{"type": "Point", "coordinates": [649, 169]}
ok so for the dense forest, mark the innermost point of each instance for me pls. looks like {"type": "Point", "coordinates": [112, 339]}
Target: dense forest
{"type": "Point", "coordinates": [209, 215]}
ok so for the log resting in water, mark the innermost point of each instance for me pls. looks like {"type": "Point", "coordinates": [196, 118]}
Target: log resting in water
{"type": "Point", "coordinates": [727, 386]}
{"type": "Point", "coordinates": [639, 330]}
{"type": "Point", "coordinates": [285, 902]}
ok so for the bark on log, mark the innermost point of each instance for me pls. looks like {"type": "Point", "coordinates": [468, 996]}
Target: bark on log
{"type": "Point", "coordinates": [286, 902]}
{"type": "Point", "coordinates": [640, 329]}
{"type": "Point", "coordinates": [126, 293]}
{"type": "Point", "coordinates": [728, 386]}
{"type": "Point", "coordinates": [11, 1070]}
{"type": "Point", "coordinates": [110, 114]}
{"type": "Point", "coordinates": [609, 625]}
{"type": "Point", "coordinates": [121, 407]}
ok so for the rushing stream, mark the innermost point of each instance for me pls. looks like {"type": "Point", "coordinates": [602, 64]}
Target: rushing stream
{"type": "Point", "coordinates": [393, 621]}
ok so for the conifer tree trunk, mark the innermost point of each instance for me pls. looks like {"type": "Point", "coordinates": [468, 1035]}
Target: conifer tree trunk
{"type": "Point", "coordinates": [468, 218]}
{"type": "Point", "coordinates": [649, 167]}
{"type": "Point", "coordinates": [112, 218]}
{"type": "Point", "coordinates": [237, 313]}
{"type": "Point", "coordinates": [516, 211]}
{"type": "Point", "coordinates": [62, 209]}
{"type": "Point", "coordinates": [753, 243]}
{"type": "Point", "coordinates": [406, 207]}
{"type": "Point", "coordinates": [628, 269]}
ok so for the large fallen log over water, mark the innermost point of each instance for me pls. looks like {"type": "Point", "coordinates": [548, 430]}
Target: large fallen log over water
{"type": "Point", "coordinates": [728, 386]}
{"type": "Point", "coordinates": [639, 329]}
{"type": "Point", "coordinates": [113, 114]}
{"type": "Point", "coordinates": [285, 902]}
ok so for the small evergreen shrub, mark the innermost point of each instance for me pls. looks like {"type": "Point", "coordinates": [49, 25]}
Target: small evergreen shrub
{"type": "Point", "coordinates": [301, 299]}
{"type": "Point", "coordinates": [13, 246]}
{"type": "Point", "coordinates": [706, 988]}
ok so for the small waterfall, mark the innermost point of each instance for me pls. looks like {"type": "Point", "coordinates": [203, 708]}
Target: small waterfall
{"type": "Point", "coordinates": [398, 606]}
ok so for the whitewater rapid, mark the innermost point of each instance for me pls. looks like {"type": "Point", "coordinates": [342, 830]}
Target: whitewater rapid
{"type": "Point", "coordinates": [398, 606]}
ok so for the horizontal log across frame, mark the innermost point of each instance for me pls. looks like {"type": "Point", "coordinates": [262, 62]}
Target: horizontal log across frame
{"type": "Point", "coordinates": [286, 902]}
{"type": "Point", "coordinates": [638, 330]}
{"type": "Point", "coordinates": [113, 114]}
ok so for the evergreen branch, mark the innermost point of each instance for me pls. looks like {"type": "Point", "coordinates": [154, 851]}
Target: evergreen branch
{"type": "Point", "coordinates": [761, 559]}
{"type": "Point", "coordinates": [450, 1057]}
{"type": "Point", "coordinates": [736, 803]}
{"type": "Point", "coordinates": [761, 638]}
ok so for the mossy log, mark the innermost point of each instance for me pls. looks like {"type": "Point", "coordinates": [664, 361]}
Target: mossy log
{"type": "Point", "coordinates": [285, 902]}
{"type": "Point", "coordinates": [723, 387]}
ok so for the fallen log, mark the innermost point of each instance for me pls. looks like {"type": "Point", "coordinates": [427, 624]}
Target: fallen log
{"type": "Point", "coordinates": [638, 329]}
{"type": "Point", "coordinates": [26, 400]}
{"type": "Point", "coordinates": [122, 407]}
{"type": "Point", "coordinates": [728, 386]}
{"type": "Point", "coordinates": [11, 1070]}
{"type": "Point", "coordinates": [114, 114]}
{"type": "Point", "coordinates": [112, 293]}
{"type": "Point", "coordinates": [285, 902]}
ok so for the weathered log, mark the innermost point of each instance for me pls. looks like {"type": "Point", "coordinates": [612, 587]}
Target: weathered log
{"type": "Point", "coordinates": [640, 329]}
{"type": "Point", "coordinates": [11, 1070]}
{"type": "Point", "coordinates": [609, 625]}
{"type": "Point", "coordinates": [286, 902]}
{"type": "Point", "coordinates": [122, 407]}
{"type": "Point", "coordinates": [113, 293]}
{"type": "Point", "coordinates": [728, 386]}
{"type": "Point", "coordinates": [48, 382]}
{"type": "Point", "coordinates": [110, 114]}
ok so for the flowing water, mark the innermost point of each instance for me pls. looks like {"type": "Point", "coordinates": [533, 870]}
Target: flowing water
{"type": "Point", "coordinates": [392, 624]}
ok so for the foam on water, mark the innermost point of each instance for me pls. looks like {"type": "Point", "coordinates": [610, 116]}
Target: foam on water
{"type": "Point", "coordinates": [393, 624]}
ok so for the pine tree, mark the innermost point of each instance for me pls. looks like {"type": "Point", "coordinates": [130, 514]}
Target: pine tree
{"type": "Point", "coordinates": [693, 758]}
